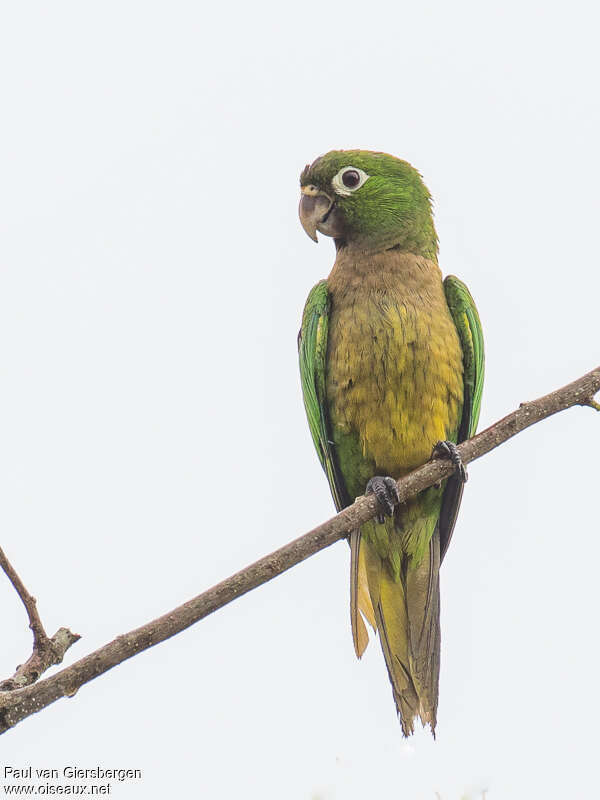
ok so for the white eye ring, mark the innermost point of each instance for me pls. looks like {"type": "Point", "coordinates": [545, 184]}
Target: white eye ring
{"type": "Point", "coordinates": [339, 187]}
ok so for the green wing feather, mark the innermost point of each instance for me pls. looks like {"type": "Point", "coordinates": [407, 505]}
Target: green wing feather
{"type": "Point", "coordinates": [312, 351]}
{"type": "Point", "coordinates": [466, 319]}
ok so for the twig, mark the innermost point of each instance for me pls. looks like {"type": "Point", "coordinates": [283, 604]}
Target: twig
{"type": "Point", "coordinates": [46, 651]}
{"type": "Point", "coordinates": [17, 705]}
{"type": "Point", "coordinates": [40, 639]}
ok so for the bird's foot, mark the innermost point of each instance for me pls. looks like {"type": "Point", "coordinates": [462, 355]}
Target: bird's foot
{"type": "Point", "coordinates": [385, 490]}
{"type": "Point", "coordinates": [450, 450]}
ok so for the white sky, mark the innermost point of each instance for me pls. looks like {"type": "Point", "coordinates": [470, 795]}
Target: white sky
{"type": "Point", "coordinates": [153, 274]}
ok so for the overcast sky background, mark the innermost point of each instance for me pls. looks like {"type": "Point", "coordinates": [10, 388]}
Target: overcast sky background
{"type": "Point", "coordinates": [153, 438]}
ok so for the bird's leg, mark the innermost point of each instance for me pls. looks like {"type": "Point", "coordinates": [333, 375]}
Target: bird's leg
{"type": "Point", "coordinates": [449, 450]}
{"type": "Point", "coordinates": [385, 490]}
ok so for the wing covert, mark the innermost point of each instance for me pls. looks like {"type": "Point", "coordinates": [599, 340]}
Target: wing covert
{"type": "Point", "coordinates": [312, 351]}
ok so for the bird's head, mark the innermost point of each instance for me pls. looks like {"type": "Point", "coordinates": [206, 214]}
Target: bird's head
{"type": "Point", "coordinates": [371, 201]}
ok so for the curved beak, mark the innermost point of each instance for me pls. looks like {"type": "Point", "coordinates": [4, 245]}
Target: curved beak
{"type": "Point", "coordinates": [314, 209]}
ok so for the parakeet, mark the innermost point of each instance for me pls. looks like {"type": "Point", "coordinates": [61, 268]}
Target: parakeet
{"type": "Point", "coordinates": [391, 364]}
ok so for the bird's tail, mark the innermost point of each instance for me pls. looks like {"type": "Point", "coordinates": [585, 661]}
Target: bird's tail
{"type": "Point", "coordinates": [405, 611]}
{"type": "Point", "coordinates": [360, 599]}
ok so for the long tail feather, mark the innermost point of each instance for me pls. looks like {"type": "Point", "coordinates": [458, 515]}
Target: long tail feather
{"type": "Point", "coordinates": [406, 613]}
{"type": "Point", "coordinates": [364, 596]}
{"type": "Point", "coordinates": [360, 637]}
{"type": "Point", "coordinates": [423, 606]}
{"type": "Point", "coordinates": [360, 598]}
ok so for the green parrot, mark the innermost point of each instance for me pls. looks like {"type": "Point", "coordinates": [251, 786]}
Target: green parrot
{"type": "Point", "coordinates": [391, 364]}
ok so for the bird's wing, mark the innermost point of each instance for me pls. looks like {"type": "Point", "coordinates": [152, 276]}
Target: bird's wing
{"type": "Point", "coordinates": [312, 350]}
{"type": "Point", "coordinates": [466, 319]}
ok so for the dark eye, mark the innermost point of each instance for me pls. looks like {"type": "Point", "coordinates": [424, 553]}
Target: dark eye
{"type": "Point", "coordinates": [350, 178]}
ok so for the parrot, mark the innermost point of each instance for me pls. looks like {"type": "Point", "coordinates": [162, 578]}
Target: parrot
{"type": "Point", "coordinates": [391, 368]}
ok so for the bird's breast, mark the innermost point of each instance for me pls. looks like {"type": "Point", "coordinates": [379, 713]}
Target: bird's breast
{"type": "Point", "coordinates": [394, 366]}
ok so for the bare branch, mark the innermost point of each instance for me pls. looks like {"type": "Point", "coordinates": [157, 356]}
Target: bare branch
{"type": "Point", "coordinates": [46, 652]}
{"type": "Point", "coordinates": [35, 623]}
{"type": "Point", "coordinates": [21, 703]}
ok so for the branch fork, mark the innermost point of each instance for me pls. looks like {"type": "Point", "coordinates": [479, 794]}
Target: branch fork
{"type": "Point", "coordinates": [46, 651]}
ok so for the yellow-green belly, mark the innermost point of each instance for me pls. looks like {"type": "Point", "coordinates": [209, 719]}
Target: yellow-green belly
{"type": "Point", "coordinates": [394, 377]}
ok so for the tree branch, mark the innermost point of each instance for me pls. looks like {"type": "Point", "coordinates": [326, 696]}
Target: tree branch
{"type": "Point", "coordinates": [46, 651]}
{"type": "Point", "coordinates": [35, 623]}
{"type": "Point", "coordinates": [18, 704]}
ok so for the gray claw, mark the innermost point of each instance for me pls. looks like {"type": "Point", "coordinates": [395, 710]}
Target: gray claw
{"type": "Point", "coordinates": [385, 490]}
{"type": "Point", "coordinates": [449, 450]}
